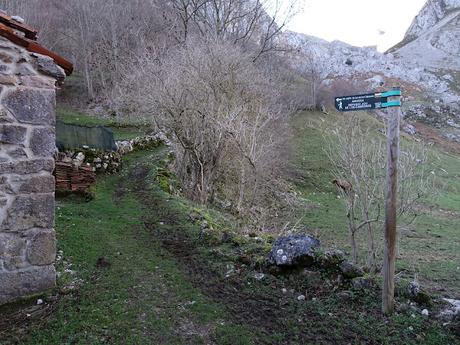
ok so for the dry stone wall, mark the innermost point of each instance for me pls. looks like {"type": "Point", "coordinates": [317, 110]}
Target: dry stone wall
{"type": "Point", "coordinates": [27, 145]}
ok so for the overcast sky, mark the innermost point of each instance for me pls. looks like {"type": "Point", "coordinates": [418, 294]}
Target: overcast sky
{"type": "Point", "coordinates": [358, 22]}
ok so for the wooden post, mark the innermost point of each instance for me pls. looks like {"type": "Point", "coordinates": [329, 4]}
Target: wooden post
{"type": "Point", "coordinates": [394, 114]}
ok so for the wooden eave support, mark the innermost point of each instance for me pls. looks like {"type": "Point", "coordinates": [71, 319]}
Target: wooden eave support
{"type": "Point", "coordinates": [34, 47]}
{"type": "Point", "coordinates": [28, 31]}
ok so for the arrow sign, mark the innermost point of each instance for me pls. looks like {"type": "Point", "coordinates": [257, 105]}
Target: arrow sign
{"type": "Point", "coordinates": [367, 101]}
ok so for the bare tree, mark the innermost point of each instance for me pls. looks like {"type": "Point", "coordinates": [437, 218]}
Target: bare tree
{"type": "Point", "coordinates": [222, 114]}
{"type": "Point", "coordinates": [357, 151]}
{"type": "Point", "coordinates": [254, 24]}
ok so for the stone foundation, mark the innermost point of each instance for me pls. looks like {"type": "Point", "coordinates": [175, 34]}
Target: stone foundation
{"type": "Point", "coordinates": [27, 145]}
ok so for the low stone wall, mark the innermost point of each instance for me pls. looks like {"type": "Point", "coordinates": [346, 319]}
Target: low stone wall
{"type": "Point", "coordinates": [27, 145]}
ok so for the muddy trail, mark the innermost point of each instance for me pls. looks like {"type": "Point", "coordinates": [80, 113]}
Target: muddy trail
{"type": "Point", "coordinates": [275, 316]}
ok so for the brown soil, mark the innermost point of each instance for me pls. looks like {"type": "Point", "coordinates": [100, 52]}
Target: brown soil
{"type": "Point", "coordinates": [432, 135]}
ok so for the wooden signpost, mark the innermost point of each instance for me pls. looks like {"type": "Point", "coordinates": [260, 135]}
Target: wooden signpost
{"type": "Point", "coordinates": [392, 101]}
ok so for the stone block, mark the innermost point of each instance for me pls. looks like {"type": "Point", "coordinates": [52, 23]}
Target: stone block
{"type": "Point", "coordinates": [30, 211]}
{"type": "Point", "coordinates": [7, 80]}
{"type": "Point", "coordinates": [5, 186]}
{"type": "Point", "coordinates": [41, 250]}
{"type": "Point", "coordinates": [47, 66]}
{"type": "Point", "coordinates": [12, 251]}
{"type": "Point", "coordinates": [43, 142]}
{"type": "Point", "coordinates": [37, 184]}
{"type": "Point", "coordinates": [13, 135]}
{"type": "Point", "coordinates": [27, 167]}
{"type": "Point", "coordinates": [18, 153]}
{"type": "Point", "coordinates": [11, 245]}
{"type": "Point", "coordinates": [38, 82]}
{"type": "Point", "coordinates": [5, 116]}
{"type": "Point", "coordinates": [24, 69]}
{"type": "Point", "coordinates": [32, 106]}
{"type": "Point", "coordinates": [26, 282]}
{"type": "Point", "coordinates": [4, 68]}
{"type": "Point", "coordinates": [5, 57]}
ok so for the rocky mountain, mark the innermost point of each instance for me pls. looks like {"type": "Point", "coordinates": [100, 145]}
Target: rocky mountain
{"type": "Point", "coordinates": [426, 64]}
{"type": "Point", "coordinates": [433, 39]}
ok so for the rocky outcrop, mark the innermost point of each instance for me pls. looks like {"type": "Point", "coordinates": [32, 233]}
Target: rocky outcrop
{"type": "Point", "coordinates": [431, 14]}
{"type": "Point", "coordinates": [366, 66]}
{"type": "Point", "coordinates": [433, 39]}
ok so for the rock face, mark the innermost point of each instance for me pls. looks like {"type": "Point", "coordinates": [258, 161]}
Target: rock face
{"type": "Point", "coordinates": [361, 66]}
{"type": "Point", "coordinates": [294, 250]}
{"type": "Point", "coordinates": [431, 14]}
{"type": "Point", "coordinates": [433, 38]}
{"type": "Point", "coordinates": [27, 118]}
{"type": "Point", "coordinates": [425, 64]}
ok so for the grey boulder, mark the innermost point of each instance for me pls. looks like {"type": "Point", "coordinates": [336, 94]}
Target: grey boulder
{"type": "Point", "coordinates": [293, 250]}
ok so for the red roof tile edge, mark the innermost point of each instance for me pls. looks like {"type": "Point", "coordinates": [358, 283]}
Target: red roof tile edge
{"type": "Point", "coordinates": [7, 31]}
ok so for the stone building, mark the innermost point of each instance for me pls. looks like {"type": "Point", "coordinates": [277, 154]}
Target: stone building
{"type": "Point", "coordinates": [28, 77]}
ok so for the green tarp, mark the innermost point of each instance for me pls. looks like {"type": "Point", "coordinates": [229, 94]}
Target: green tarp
{"type": "Point", "coordinates": [70, 137]}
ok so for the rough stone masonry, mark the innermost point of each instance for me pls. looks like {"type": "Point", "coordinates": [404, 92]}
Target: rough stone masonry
{"type": "Point", "coordinates": [27, 146]}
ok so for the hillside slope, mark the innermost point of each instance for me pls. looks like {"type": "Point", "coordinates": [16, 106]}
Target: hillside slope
{"type": "Point", "coordinates": [433, 38]}
{"type": "Point", "coordinates": [166, 282]}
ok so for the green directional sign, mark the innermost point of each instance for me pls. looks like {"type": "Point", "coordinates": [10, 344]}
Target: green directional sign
{"type": "Point", "coordinates": [367, 101]}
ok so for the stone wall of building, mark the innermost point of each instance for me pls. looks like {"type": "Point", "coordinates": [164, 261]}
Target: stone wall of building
{"type": "Point", "coordinates": [27, 146]}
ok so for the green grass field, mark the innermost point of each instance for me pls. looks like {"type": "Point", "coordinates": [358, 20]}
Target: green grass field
{"type": "Point", "coordinates": [432, 247]}
{"type": "Point", "coordinates": [143, 297]}
{"type": "Point", "coordinates": [164, 282]}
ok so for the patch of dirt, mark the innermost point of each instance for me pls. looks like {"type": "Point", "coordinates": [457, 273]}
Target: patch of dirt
{"type": "Point", "coordinates": [431, 134]}
{"type": "Point", "coordinates": [17, 317]}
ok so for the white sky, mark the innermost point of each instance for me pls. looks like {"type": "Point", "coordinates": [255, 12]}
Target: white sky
{"type": "Point", "coordinates": [358, 22]}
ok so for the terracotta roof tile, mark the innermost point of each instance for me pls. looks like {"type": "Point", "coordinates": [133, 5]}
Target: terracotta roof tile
{"type": "Point", "coordinates": [9, 28]}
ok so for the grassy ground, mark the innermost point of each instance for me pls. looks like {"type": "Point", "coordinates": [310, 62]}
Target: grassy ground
{"type": "Point", "coordinates": [121, 130]}
{"type": "Point", "coordinates": [142, 297]}
{"type": "Point", "coordinates": [431, 246]}
{"type": "Point", "coordinates": [161, 281]}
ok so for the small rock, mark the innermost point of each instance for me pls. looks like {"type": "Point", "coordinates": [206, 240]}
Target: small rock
{"type": "Point", "coordinates": [425, 312]}
{"type": "Point", "coordinates": [414, 288]}
{"type": "Point", "coordinates": [284, 291]}
{"type": "Point", "coordinates": [409, 129]}
{"type": "Point", "coordinates": [451, 311]}
{"type": "Point", "coordinates": [18, 19]}
{"type": "Point", "coordinates": [350, 270]}
{"type": "Point", "coordinates": [417, 294]}
{"type": "Point", "coordinates": [362, 283]}
{"type": "Point", "coordinates": [65, 290]}
{"type": "Point", "coordinates": [301, 298]}
{"type": "Point", "coordinates": [331, 259]}
{"type": "Point", "coordinates": [346, 295]}
{"type": "Point", "coordinates": [204, 225]}
{"type": "Point", "coordinates": [259, 276]}
{"type": "Point", "coordinates": [39, 301]}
